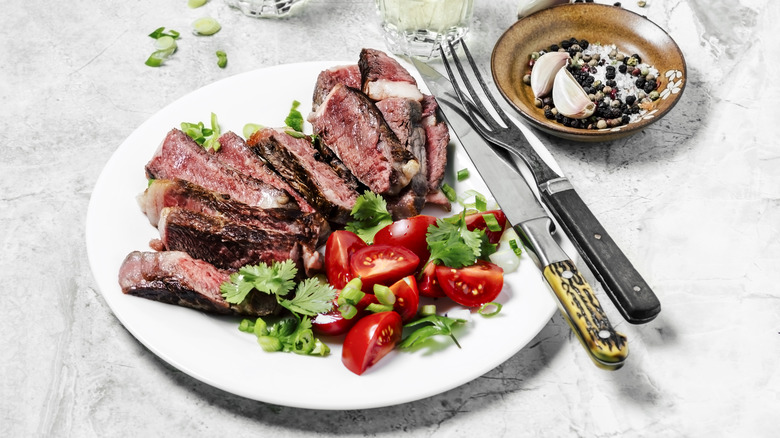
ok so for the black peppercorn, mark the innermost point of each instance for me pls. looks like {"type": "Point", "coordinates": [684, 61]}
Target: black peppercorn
{"type": "Point", "coordinates": [565, 44]}
{"type": "Point", "coordinates": [549, 114]}
{"type": "Point", "coordinates": [637, 57]}
{"type": "Point", "coordinates": [640, 82]}
{"type": "Point", "coordinates": [554, 48]}
{"type": "Point", "coordinates": [630, 100]}
{"type": "Point", "coordinates": [622, 68]}
{"type": "Point", "coordinates": [584, 44]}
{"type": "Point", "coordinates": [625, 119]}
{"type": "Point", "coordinates": [650, 86]}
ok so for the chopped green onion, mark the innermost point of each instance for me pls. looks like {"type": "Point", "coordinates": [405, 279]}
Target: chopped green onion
{"type": "Point", "coordinates": [160, 32]}
{"type": "Point", "coordinates": [221, 59]}
{"type": "Point", "coordinates": [206, 26]}
{"type": "Point", "coordinates": [449, 192]}
{"type": "Point", "coordinates": [165, 43]}
{"type": "Point", "coordinates": [269, 343]}
{"type": "Point", "coordinates": [157, 58]}
{"type": "Point", "coordinates": [491, 222]}
{"type": "Point", "coordinates": [195, 3]}
{"type": "Point", "coordinates": [480, 203]}
{"type": "Point", "coordinates": [251, 128]}
{"type": "Point", "coordinates": [463, 174]}
{"type": "Point", "coordinates": [261, 328]}
{"type": "Point", "coordinates": [294, 134]}
{"type": "Point", "coordinates": [378, 308]}
{"type": "Point", "coordinates": [427, 310]}
{"type": "Point", "coordinates": [515, 247]}
{"type": "Point", "coordinates": [348, 311]}
{"type": "Point", "coordinates": [351, 294]}
{"type": "Point", "coordinates": [320, 349]}
{"type": "Point", "coordinates": [490, 309]}
{"type": "Point", "coordinates": [247, 326]}
{"type": "Point", "coordinates": [384, 294]}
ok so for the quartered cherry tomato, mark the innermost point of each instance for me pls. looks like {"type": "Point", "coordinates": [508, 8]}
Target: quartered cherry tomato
{"type": "Point", "coordinates": [477, 220]}
{"type": "Point", "coordinates": [333, 323]}
{"type": "Point", "coordinates": [428, 286]}
{"type": "Point", "coordinates": [370, 339]}
{"type": "Point", "coordinates": [339, 248]}
{"type": "Point", "coordinates": [407, 297]}
{"type": "Point", "coordinates": [409, 233]}
{"type": "Point", "coordinates": [473, 285]}
{"type": "Point", "coordinates": [382, 264]}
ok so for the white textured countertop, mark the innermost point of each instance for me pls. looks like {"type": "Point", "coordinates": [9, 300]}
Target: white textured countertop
{"type": "Point", "coordinates": [693, 202]}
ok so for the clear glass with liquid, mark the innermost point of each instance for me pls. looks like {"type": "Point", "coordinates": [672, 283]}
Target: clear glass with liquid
{"type": "Point", "coordinates": [418, 27]}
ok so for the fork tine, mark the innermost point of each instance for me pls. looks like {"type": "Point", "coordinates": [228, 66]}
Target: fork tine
{"type": "Point", "coordinates": [479, 121]}
{"type": "Point", "coordinates": [501, 113]}
{"type": "Point", "coordinates": [474, 97]}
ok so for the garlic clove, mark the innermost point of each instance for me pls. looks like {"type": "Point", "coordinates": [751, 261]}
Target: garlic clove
{"type": "Point", "coordinates": [528, 7]}
{"type": "Point", "coordinates": [569, 98]}
{"type": "Point", "coordinates": [544, 70]}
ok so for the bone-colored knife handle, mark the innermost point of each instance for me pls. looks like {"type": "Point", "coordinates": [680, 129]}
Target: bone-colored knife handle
{"type": "Point", "coordinates": [582, 311]}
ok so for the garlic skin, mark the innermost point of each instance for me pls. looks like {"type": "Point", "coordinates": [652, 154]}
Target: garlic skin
{"type": "Point", "coordinates": [544, 70]}
{"type": "Point", "coordinates": [569, 97]}
{"type": "Point", "coordinates": [528, 7]}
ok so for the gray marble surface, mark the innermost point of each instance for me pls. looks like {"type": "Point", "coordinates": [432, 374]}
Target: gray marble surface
{"type": "Point", "coordinates": [693, 201]}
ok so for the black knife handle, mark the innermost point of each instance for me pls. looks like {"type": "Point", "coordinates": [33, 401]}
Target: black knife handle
{"type": "Point", "coordinates": [626, 288]}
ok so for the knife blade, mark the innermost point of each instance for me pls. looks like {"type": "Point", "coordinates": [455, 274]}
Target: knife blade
{"type": "Point", "coordinates": [629, 292]}
{"type": "Point", "coordinates": [575, 297]}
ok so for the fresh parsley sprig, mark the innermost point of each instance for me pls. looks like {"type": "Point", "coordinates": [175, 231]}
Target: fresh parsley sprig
{"type": "Point", "coordinates": [452, 244]}
{"type": "Point", "coordinates": [278, 279]}
{"type": "Point", "coordinates": [370, 214]}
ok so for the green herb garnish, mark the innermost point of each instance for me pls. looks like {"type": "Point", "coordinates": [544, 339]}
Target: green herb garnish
{"type": "Point", "coordinates": [463, 174]}
{"type": "Point", "coordinates": [208, 138]}
{"type": "Point", "coordinates": [288, 334]}
{"type": "Point", "coordinates": [294, 119]}
{"type": "Point", "coordinates": [432, 325]}
{"type": "Point", "coordinates": [221, 59]}
{"type": "Point", "coordinates": [370, 214]}
{"type": "Point", "coordinates": [452, 244]}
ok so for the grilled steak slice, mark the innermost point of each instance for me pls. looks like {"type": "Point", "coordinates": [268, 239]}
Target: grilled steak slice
{"type": "Point", "coordinates": [224, 243]}
{"type": "Point", "coordinates": [310, 173]}
{"type": "Point", "coordinates": [348, 75]}
{"type": "Point", "coordinates": [383, 77]}
{"type": "Point", "coordinates": [236, 153]}
{"type": "Point", "coordinates": [180, 157]}
{"type": "Point", "coordinates": [173, 277]}
{"type": "Point", "coordinates": [437, 137]}
{"type": "Point", "coordinates": [350, 124]}
{"type": "Point", "coordinates": [307, 228]}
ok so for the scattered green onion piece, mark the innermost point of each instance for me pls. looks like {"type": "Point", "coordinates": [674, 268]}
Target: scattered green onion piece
{"type": "Point", "coordinates": [350, 294]}
{"type": "Point", "coordinates": [165, 43]}
{"type": "Point", "coordinates": [480, 203]}
{"type": "Point", "coordinates": [320, 349]}
{"type": "Point", "coordinates": [348, 311]}
{"type": "Point", "coordinates": [251, 128]}
{"type": "Point", "coordinates": [384, 294]}
{"type": "Point", "coordinates": [378, 308]}
{"type": "Point", "coordinates": [160, 32]}
{"type": "Point", "coordinates": [491, 222]}
{"type": "Point", "coordinates": [269, 343]}
{"type": "Point", "coordinates": [449, 192]}
{"type": "Point", "coordinates": [221, 59]}
{"type": "Point", "coordinates": [485, 309]}
{"type": "Point", "coordinates": [515, 247]}
{"type": "Point", "coordinates": [463, 174]}
{"type": "Point", "coordinates": [247, 326]}
{"type": "Point", "coordinates": [157, 58]}
{"type": "Point", "coordinates": [427, 310]}
{"type": "Point", "coordinates": [303, 343]}
{"type": "Point", "coordinates": [206, 26]}
{"type": "Point", "coordinates": [294, 134]}
{"type": "Point", "coordinates": [194, 4]}
{"type": "Point", "coordinates": [261, 328]}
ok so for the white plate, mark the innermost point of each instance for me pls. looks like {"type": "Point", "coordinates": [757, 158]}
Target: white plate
{"type": "Point", "coordinates": [210, 348]}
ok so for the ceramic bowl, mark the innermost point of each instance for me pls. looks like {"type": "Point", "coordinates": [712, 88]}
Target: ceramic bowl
{"type": "Point", "coordinates": [630, 32]}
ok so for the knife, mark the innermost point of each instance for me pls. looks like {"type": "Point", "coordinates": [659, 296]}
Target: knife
{"type": "Point", "coordinates": [574, 296]}
{"type": "Point", "coordinates": [631, 295]}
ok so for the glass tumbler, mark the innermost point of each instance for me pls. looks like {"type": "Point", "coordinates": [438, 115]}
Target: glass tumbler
{"type": "Point", "coordinates": [418, 27]}
{"type": "Point", "coordinates": [266, 8]}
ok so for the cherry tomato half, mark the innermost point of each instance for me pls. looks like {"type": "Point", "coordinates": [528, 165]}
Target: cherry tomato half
{"type": "Point", "coordinates": [429, 284]}
{"type": "Point", "coordinates": [407, 297]}
{"type": "Point", "coordinates": [370, 339]}
{"type": "Point", "coordinates": [477, 220]}
{"type": "Point", "coordinates": [409, 233]}
{"type": "Point", "coordinates": [473, 285]}
{"type": "Point", "coordinates": [382, 264]}
{"type": "Point", "coordinates": [333, 323]}
{"type": "Point", "coordinates": [339, 248]}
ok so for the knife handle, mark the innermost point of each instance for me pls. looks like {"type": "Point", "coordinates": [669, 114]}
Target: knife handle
{"type": "Point", "coordinates": [607, 348]}
{"type": "Point", "coordinates": [625, 287]}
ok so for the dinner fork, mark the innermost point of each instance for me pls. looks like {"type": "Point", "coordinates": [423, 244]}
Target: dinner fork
{"type": "Point", "coordinates": [632, 296]}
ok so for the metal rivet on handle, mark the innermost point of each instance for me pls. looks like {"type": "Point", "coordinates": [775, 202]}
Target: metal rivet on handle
{"type": "Point", "coordinates": [567, 274]}
{"type": "Point", "coordinates": [604, 334]}
{"type": "Point", "coordinates": [597, 236]}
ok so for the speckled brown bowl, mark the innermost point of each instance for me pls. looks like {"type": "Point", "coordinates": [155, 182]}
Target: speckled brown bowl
{"type": "Point", "coordinates": [630, 32]}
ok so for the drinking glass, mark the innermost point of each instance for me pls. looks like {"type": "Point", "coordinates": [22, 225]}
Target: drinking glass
{"type": "Point", "coordinates": [418, 27]}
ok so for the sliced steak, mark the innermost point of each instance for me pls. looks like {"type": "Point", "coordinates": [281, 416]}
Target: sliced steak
{"type": "Point", "coordinates": [180, 157]}
{"type": "Point", "coordinates": [348, 75]}
{"type": "Point", "coordinates": [173, 277]}
{"type": "Point", "coordinates": [236, 153]}
{"type": "Point", "coordinates": [224, 243]}
{"type": "Point", "coordinates": [350, 124]}
{"type": "Point", "coordinates": [437, 137]}
{"type": "Point", "coordinates": [308, 228]}
{"type": "Point", "coordinates": [382, 77]}
{"type": "Point", "coordinates": [311, 174]}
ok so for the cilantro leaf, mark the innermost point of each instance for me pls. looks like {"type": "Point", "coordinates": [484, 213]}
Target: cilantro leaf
{"type": "Point", "coordinates": [235, 290]}
{"type": "Point", "coordinates": [452, 244]}
{"type": "Point", "coordinates": [432, 325]}
{"type": "Point", "coordinates": [311, 297]}
{"type": "Point", "coordinates": [277, 279]}
{"type": "Point", "coordinates": [370, 214]}
{"type": "Point", "coordinates": [295, 119]}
